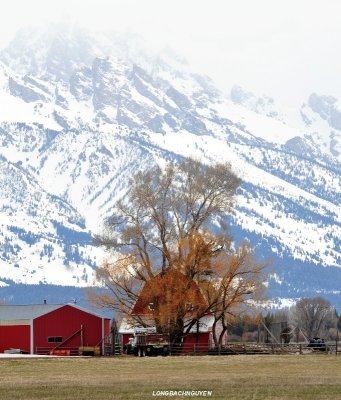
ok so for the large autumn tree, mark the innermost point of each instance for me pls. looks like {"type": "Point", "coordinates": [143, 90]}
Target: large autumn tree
{"type": "Point", "coordinates": [169, 236]}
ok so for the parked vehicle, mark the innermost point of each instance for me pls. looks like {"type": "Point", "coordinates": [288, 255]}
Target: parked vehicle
{"type": "Point", "coordinates": [145, 343]}
{"type": "Point", "coordinates": [318, 344]}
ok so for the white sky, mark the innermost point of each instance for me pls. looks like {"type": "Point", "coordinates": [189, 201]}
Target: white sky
{"type": "Point", "coordinates": [283, 48]}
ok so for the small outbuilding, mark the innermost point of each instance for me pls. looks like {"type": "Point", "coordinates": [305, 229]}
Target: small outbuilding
{"type": "Point", "coordinates": [52, 329]}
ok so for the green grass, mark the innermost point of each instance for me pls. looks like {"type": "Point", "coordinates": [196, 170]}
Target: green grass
{"type": "Point", "coordinates": [229, 377]}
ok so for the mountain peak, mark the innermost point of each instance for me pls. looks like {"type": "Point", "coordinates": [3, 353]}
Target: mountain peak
{"type": "Point", "coordinates": [263, 105]}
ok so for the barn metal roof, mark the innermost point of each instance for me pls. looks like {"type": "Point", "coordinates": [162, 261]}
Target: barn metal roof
{"type": "Point", "coordinates": [30, 311]}
{"type": "Point", "coordinates": [10, 312]}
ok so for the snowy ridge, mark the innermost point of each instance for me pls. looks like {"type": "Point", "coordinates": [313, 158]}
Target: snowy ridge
{"type": "Point", "coordinates": [38, 230]}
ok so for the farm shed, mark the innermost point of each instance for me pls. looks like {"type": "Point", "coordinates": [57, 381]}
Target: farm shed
{"type": "Point", "coordinates": [42, 328]}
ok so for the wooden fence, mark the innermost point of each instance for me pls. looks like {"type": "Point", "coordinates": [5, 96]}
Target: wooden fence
{"type": "Point", "coordinates": [257, 348]}
{"type": "Point", "coordinates": [61, 351]}
{"type": "Point", "coordinates": [229, 349]}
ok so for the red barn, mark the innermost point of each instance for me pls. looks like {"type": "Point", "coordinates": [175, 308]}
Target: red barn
{"type": "Point", "coordinates": [167, 288]}
{"type": "Point", "coordinates": [42, 328]}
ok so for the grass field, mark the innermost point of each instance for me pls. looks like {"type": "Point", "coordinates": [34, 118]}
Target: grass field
{"type": "Point", "coordinates": [228, 377]}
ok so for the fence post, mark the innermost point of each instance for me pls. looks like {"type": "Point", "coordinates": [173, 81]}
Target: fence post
{"type": "Point", "coordinates": [300, 348]}
{"type": "Point", "coordinates": [336, 349]}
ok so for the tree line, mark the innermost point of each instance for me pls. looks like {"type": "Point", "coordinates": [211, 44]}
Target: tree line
{"type": "Point", "coordinates": [308, 318]}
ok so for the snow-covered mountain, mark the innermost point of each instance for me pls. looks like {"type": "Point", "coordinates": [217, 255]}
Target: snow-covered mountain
{"type": "Point", "coordinates": [81, 113]}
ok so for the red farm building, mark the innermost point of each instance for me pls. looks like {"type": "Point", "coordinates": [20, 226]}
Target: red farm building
{"type": "Point", "coordinates": [200, 336]}
{"type": "Point", "coordinates": [52, 329]}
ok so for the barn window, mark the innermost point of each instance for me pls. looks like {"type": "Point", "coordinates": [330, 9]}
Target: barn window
{"type": "Point", "coordinates": [54, 339]}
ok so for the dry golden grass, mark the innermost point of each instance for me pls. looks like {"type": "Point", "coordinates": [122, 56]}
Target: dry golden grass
{"type": "Point", "coordinates": [229, 377]}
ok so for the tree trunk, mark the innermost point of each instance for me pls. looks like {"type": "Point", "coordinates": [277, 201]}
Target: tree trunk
{"type": "Point", "coordinates": [177, 333]}
{"type": "Point", "coordinates": [221, 336]}
{"type": "Point", "coordinates": [214, 326]}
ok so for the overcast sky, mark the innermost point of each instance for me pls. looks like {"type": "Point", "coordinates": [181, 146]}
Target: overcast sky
{"type": "Point", "coordinates": [283, 48]}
